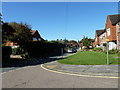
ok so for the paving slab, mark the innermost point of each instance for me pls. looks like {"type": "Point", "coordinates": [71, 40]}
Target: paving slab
{"type": "Point", "coordinates": [103, 70]}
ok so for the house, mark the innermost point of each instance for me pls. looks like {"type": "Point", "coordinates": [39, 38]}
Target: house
{"type": "Point", "coordinates": [99, 37]}
{"type": "Point", "coordinates": [118, 35]}
{"type": "Point", "coordinates": [111, 30]}
{"type": "Point", "coordinates": [36, 36]}
{"type": "Point", "coordinates": [103, 40]}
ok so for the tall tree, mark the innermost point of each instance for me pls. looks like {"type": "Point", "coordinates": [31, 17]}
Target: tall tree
{"type": "Point", "coordinates": [86, 41]}
{"type": "Point", "coordinates": [7, 32]}
{"type": "Point", "coordinates": [22, 34]}
{"type": "Point", "coordinates": [73, 41]}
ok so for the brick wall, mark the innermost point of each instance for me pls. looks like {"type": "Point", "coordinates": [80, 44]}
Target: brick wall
{"type": "Point", "coordinates": [112, 36]}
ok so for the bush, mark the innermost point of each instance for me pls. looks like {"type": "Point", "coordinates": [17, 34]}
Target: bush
{"type": "Point", "coordinates": [15, 51]}
{"type": "Point", "coordinates": [97, 49]}
{"type": "Point", "coordinates": [113, 51]}
{"type": "Point", "coordinates": [40, 48]}
{"type": "Point", "coordinates": [6, 52]}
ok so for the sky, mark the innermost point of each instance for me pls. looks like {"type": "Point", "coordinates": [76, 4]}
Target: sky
{"type": "Point", "coordinates": [60, 20]}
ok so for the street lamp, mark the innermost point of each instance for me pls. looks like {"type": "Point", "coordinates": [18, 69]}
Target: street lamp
{"type": "Point", "coordinates": [107, 47]}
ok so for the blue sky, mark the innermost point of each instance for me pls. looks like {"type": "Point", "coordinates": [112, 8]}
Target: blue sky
{"type": "Point", "coordinates": [59, 20]}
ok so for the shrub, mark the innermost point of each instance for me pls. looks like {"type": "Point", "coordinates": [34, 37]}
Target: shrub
{"type": "Point", "coordinates": [40, 48]}
{"type": "Point", "coordinates": [15, 51]}
{"type": "Point", "coordinates": [6, 52]}
{"type": "Point", "coordinates": [97, 49]}
{"type": "Point", "coordinates": [113, 51]}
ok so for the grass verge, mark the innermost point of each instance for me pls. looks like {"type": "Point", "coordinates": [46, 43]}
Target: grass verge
{"type": "Point", "coordinates": [89, 58]}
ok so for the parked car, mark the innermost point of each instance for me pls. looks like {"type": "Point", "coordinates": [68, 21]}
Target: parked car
{"type": "Point", "coordinates": [72, 50]}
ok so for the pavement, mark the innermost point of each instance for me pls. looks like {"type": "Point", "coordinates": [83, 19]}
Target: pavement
{"type": "Point", "coordinates": [94, 70]}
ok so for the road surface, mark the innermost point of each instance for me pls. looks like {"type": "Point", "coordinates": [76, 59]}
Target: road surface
{"type": "Point", "coordinates": [37, 77]}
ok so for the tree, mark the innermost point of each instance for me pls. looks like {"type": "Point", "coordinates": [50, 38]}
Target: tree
{"type": "Point", "coordinates": [73, 41]}
{"type": "Point", "coordinates": [22, 34]}
{"type": "Point", "coordinates": [86, 42]}
{"type": "Point", "coordinates": [66, 41]}
{"type": "Point", "coordinates": [7, 32]}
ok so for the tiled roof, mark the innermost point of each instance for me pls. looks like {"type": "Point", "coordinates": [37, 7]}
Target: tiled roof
{"type": "Point", "coordinates": [33, 31]}
{"type": "Point", "coordinates": [114, 18]}
{"type": "Point", "coordinates": [99, 32]}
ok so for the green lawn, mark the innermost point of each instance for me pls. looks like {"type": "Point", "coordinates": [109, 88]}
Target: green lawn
{"type": "Point", "coordinates": [89, 58]}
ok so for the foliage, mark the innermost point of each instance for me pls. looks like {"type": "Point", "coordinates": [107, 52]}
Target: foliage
{"type": "Point", "coordinates": [7, 32]}
{"type": "Point", "coordinates": [6, 52]}
{"type": "Point", "coordinates": [22, 34]}
{"type": "Point", "coordinates": [16, 51]}
{"type": "Point", "coordinates": [97, 49]}
{"type": "Point", "coordinates": [73, 41]}
{"type": "Point", "coordinates": [66, 41]}
{"type": "Point", "coordinates": [113, 51]}
{"type": "Point", "coordinates": [43, 48]}
{"type": "Point", "coordinates": [86, 42]}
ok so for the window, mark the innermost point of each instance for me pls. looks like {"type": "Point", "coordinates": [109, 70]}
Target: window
{"type": "Point", "coordinates": [118, 28]}
{"type": "Point", "coordinates": [34, 38]}
{"type": "Point", "coordinates": [108, 31]}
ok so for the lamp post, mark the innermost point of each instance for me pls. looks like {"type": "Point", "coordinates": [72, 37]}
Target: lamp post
{"type": "Point", "coordinates": [107, 47]}
{"type": "Point", "coordinates": [62, 52]}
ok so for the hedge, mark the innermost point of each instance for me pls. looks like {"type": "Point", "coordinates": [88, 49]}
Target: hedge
{"type": "Point", "coordinates": [97, 49]}
{"type": "Point", "coordinates": [42, 48]}
{"type": "Point", "coordinates": [6, 52]}
{"type": "Point", "coordinates": [113, 51]}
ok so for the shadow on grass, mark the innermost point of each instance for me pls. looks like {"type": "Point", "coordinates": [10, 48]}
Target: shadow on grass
{"type": "Point", "coordinates": [15, 62]}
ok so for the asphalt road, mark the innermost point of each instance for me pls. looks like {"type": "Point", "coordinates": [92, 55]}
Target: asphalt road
{"type": "Point", "coordinates": [37, 77]}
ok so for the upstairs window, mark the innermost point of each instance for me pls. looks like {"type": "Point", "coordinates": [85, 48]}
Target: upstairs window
{"type": "Point", "coordinates": [108, 31]}
{"type": "Point", "coordinates": [118, 28]}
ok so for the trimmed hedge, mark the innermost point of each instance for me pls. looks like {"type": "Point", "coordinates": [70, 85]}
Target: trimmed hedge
{"type": "Point", "coordinates": [43, 48]}
{"type": "Point", "coordinates": [97, 49]}
{"type": "Point", "coordinates": [6, 52]}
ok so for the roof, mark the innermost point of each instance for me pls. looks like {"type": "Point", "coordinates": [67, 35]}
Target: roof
{"type": "Point", "coordinates": [99, 32]}
{"type": "Point", "coordinates": [114, 19]}
{"type": "Point", "coordinates": [92, 40]}
{"type": "Point", "coordinates": [33, 31]}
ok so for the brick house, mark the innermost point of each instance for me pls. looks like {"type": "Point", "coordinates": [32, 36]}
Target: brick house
{"type": "Point", "coordinates": [36, 36]}
{"type": "Point", "coordinates": [111, 30]}
{"type": "Point", "coordinates": [99, 38]}
{"type": "Point", "coordinates": [118, 35]}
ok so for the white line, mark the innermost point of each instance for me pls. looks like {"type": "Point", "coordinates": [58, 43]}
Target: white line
{"type": "Point", "coordinates": [76, 74]}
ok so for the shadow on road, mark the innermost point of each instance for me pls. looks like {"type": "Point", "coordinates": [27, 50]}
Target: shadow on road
{"type": "Point", "coordinates": [15, 62]}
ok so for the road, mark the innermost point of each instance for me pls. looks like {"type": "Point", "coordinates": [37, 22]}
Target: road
{"type": "Point", "coordinates": [22, 63]}
{"type": "Point", "coordinates": [37, 77]}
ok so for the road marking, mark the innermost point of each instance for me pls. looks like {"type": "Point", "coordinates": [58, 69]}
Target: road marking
{"type": "Point", "coordinates": [76, 74]}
